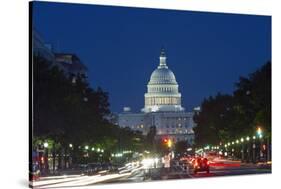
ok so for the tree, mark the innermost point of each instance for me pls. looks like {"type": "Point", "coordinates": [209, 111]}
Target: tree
{"type": "Point", "coordinates": [253, 96]}
{"type": "Point", "coordinates": [150, 138]}
{"type": "Point", "coordinates": [225, 117]}
{"type": "Point", "coordinates": [181, 147]}
{"type": "Point", "coordinates": [214, 119]}
{"type": "Point", "coordinates": [67, 112]}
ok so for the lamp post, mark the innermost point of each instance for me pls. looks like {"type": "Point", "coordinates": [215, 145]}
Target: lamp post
{"type": "Point", "coordinates": [87, 153]}
{"type": "Point", "coordinates": [70, 158]}
{"type": "Point", "coordinates": [248, 149]}
{"type": "Point", "coordinates": [46, 158]}
{"type": "Point", "coordinates": [260, 136]}
{"type": "Point", "coordinates": [254, 149]}
{"type": "Point", "coordinates": [242, 149]}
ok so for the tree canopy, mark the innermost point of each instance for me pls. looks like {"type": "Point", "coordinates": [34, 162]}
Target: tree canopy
{"type": "Point", "coordinates": [227, 116]}
{"type": "Point", "coordinates": [68, 112]}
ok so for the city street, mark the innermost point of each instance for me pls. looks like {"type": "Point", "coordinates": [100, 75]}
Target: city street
{"type": "Point", "coordinates": [178, 172]}
{"type": "Point", "coordinates": [141, 173]}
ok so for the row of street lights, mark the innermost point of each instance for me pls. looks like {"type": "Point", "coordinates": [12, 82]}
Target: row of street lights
{"type": "Point", "coordinates": [244, 141]}
{"type": "Point", "coordinates": [99, 150]}
{"type": "Point", "coordinates": [237, 141]}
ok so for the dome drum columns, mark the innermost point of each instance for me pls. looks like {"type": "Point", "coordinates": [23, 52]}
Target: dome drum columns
{"type": "Point", "coordinates": [162, 89]}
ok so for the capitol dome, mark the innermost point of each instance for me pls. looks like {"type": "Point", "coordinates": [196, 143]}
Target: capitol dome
{"type": "Point", "coordinates": [162, 76]}
{"type": "Point", "coordinates": [162, 89]}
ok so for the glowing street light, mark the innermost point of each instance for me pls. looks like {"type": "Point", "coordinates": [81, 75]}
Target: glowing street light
{"type": "Point", "coordinates": [93, 149]}
{"type": "Point", "coordinates": [248, 138]}
{"type": "Point", "coordinates": [86, 147]}
{"type": "Point", "coordinates": [254, 137]}
{"type": "Point", "coordinates": [232, 142]}
{"type": "Point", "coordinates": [237, 141]}
{"type": "Point", "coordinates": [259, 131]}
{"type": "Point", "coordinates": [242, 140]}
{"type": "Point", "coordinates": [45, 144]}
{"type": "Point", "coordinates": [70, 145]}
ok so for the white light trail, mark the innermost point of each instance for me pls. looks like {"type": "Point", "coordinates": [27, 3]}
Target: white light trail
{"type": "Point", "coordinates": [53, 181]}
{"type": "Point", "coordinates": [86, 181]}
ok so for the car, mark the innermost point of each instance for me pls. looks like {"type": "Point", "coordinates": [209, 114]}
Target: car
{"type": "Point", "coordinates": [201, 164]}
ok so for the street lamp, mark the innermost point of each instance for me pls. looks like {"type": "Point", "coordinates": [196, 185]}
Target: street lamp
{"type": "Point", "coordinates": [248, 138]}
{"type": "Point", "coordinates": [242, 149]}
{"type": "Point", "coordinates": [93, 149]}
{"type": "Point", "coordinates": [46, 165]}
{"type": "Point", "coordinates": [259, 131]}
{"type": "Point", "coordinates": [237, 141]}
{"type": "Point", "coordinates": [45, 144]}
{"type": "Point", "coordinates": [86, 147]}
{"type": "Point", "coordinates": [70, 145]}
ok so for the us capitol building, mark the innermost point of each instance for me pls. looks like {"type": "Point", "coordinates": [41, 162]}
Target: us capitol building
{"type": "Point", "coordinates": [162, 108]}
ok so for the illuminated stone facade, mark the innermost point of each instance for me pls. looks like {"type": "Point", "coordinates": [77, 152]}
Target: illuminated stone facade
{"type": "Point", "coordinates": [162, 108]}
{"type": "Point", "coordinates": [162, 89]}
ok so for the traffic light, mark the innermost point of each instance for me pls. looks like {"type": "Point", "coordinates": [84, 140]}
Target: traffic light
{"type": "Point", "coordinates": [167, 142]}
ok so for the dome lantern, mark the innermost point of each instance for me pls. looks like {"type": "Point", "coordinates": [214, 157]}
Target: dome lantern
{"type": "Point", "coordinates": [162, 59]}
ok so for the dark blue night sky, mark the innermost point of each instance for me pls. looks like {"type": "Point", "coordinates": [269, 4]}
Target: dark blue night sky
{"type": "Point", "coordinates": [120, 46]}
